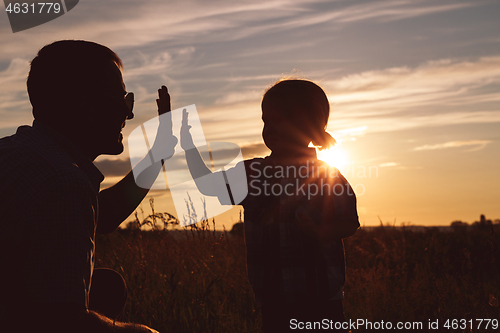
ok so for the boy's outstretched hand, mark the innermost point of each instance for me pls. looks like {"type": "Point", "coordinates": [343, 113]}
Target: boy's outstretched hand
{"type": "Point", "coordinates": [186, 138]}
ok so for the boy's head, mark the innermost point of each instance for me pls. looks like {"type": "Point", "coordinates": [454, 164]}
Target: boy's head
{"type": "Point", "coordinates": [295, 112]}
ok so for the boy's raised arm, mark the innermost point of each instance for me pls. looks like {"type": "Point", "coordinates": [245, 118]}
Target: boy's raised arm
{"type": "Point", "coordinates": [229, 186]}
{"type": "Point", "coordinates": [197, 167]}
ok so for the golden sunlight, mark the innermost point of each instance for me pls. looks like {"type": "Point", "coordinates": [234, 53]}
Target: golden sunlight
{"type": "Point", "coordinates": [334, 156]}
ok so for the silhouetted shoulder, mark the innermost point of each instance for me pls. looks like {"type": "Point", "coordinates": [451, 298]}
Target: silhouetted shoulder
{"type": "Point", "coordinates": [32, 163]}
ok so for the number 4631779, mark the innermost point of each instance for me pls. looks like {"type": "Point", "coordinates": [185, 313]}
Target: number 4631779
{"type": "Point", "coordinates": [33, 8]}
{"type": "Point", "coordinates": [472, 324]}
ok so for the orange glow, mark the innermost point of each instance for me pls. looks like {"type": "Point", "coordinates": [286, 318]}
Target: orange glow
{"type": "Point", "coordinates": [334, 156]}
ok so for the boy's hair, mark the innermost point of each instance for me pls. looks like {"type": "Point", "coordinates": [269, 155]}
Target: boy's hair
{"type": "Point", "coordinates": [305, 104]}
{"type": "Point", "coordinates": [64, 71]}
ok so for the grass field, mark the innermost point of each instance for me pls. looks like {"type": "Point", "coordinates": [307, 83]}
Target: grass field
{"type": "Point", "coordinates": [195, 280]}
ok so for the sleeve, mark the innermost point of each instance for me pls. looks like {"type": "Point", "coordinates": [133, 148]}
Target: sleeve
{"type": "Point", "coordinates": [342, 202]}
{"type": "Point", "coordinates": [60, 260]}
{"type": "Point", "coordinates": [232, 185]}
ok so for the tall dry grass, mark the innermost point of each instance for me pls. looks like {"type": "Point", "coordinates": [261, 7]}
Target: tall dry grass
{"type": "Point", "coordinates": [191, 280]}
{"type": "Point", "coordinates": [194, 280]}
{"type": "Point", "coordinates": [395, 274]}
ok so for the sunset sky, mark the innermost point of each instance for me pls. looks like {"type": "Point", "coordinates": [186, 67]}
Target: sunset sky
{"type": "Point", "coordinates": [414, 87]}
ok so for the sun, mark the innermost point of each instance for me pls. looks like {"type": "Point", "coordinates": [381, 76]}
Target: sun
{"type": "Point", "coordinates": [334, 156]}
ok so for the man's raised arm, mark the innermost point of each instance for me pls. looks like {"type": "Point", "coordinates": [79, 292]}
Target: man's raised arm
{"type": "Point", "coordinates": [117, 202]}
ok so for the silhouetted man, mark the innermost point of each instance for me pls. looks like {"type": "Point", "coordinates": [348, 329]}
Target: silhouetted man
{"type": "Point", "coordinates": [50, 201]}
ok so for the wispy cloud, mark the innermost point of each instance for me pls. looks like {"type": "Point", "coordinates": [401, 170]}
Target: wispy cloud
{"type": "Point", "coordinates": [14, 104]}
{"type": "Point", "coordinates": [426, 83]}
{"type": "Point", "coordinates": [132, 24]}
{"type": "Point", "coordinates": [388, 164]}
{"type": "Point", "coordinates": [113, 167]}
{"type": "Point", "coordinates": [211, 54]}
{"type": "Point", "coordinates": [254, 149]}
{"type": "Point", "coordinates": [349, 133]}
{"type": "Point", "coordinates": [477, 144]}
{"type": "Point", "coordinates": [435, 93]}
{"type": "Point", "coordinates": [397, 10]}
{"type": "Point", "coordinates": [238, 97]}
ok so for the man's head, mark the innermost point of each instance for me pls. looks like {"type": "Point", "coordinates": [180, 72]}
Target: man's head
{"type": "Point", "coordinates": [76, 87]}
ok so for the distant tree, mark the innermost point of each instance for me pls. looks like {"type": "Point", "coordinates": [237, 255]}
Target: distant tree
{"type": "Point", "coordinates": [237, 230]}
{"type": "Point", "coordinates": [133, 225]}
{"type": "Point", "coordinates": [483, 223]}
{"type": "Point", "coordinates": [458, 226]}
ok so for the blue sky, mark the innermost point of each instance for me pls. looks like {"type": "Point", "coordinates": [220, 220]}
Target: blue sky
{"type": "Point", "coordinates": [413, 86]}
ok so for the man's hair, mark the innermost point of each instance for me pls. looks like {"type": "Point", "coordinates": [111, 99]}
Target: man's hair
{"type": "Point", "coordinates": [64, 71]}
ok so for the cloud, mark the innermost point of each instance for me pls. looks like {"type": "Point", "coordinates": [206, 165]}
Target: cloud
{"type": "Point", "coordinates": [221, 55]}
{"type": "Point", "coordinates": [255, 149]}
{"type": "Point", "coordinates": [129, 24]}
{"type": "Point", "coordinates": [397, 10]}
{"type": "Point", "coordinates": [388, 164]}
{"type": "Point", "coordinates": [479, 144]}
{"type": "Point", "coordinates": [436, 93]}
{"type": "Point", "coordinates": [426, 83]}
{"type": "Point", "coordinates": [349, 134]}
{"type": "Point", "coordinates": [237, 97]}
{"type": "Point", "coordinates": [113, 167]}
{"type": "Point", "coordinates": [14, 105]}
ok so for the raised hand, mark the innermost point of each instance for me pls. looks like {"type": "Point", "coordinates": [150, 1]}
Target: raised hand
{"type": "Point", "coordinates": [163, 101]}
{"type": "Point", "coordinates": [186, 138]}
{"type": "Point", "coordinates": [165, 142]}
